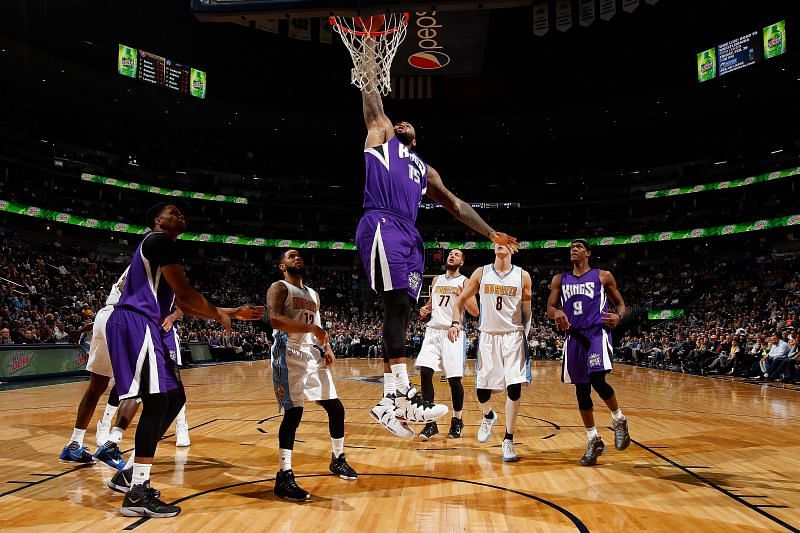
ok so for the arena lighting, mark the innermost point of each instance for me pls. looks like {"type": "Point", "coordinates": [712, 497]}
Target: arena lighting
{"type": "Point", "coordinates": [720, 162]}
{"type": "Point", "coordinates": [777, 151]}
{"type": "Point", "coordinates": [180, 172]}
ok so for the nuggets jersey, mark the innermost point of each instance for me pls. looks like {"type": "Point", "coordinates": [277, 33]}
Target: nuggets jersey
{"type": "Point", "coordinates": [145, 290]}
{"type": "Point", "coordinates": [396, 179]}
{"type": "Point", "coordinates": [116, 289]}
{"type": "Point", "coordinates": [443, 300]}
{"type": "Point", "coordinates": [583, 299]}
{"type": "Point", "coordinates": [302, 305]}
{"type": "Point", "coordinates": [501, 301]}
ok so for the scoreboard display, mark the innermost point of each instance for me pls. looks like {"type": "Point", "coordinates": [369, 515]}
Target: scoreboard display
{"type": "Point", "coordinates": [155, 69]}
{"type": "Point", "coordinates": [742, 52]}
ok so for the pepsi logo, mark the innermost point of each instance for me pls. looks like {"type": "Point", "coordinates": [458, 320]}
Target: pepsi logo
{"type": "Point", "coordinates": [429, 60]}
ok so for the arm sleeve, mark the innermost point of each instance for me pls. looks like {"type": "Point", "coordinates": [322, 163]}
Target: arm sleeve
{"type": "Point", "coordinates": [161, 250]}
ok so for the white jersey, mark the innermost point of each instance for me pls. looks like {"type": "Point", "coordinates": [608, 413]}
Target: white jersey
{"type": "Point", "coordinates": [443, 300]}
{"type": "Point", "coordinates": [302, 305]}
{"type": "Point", "coordinates": [501, 301]}
{"type": "Point", "coordinates": [116, 289]}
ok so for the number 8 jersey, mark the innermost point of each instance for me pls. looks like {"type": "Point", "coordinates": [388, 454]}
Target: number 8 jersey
{"type": "Point", "coordinates": [583, 299]}
{"type": "Point", "coordinates": [501, 299]}
{"type": "Point", "coordinates": [302, 305]}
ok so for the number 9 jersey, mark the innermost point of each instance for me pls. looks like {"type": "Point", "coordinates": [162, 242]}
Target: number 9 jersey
{"type": "Point", "coordinates": [583, 299]}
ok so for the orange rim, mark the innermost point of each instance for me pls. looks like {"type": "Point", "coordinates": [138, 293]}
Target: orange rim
{"type": "Point", "coordinates": [403, 22]}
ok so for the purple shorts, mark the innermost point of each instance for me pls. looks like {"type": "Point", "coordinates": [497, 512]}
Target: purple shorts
{"type": "Point", "coordinates": [138, 356]}
{"type": "Point", "coordinates": [391, 251]}
{"type": "Point", "coordinates": [584, 352]}
{"type": "Point", "coordinates": [172, 345]}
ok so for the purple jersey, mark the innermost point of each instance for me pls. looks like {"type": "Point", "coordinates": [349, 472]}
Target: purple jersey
{"type": "Point", "coordinates": [396, 179]}
{"type": "Point", "coordinates": [583, 299]}
{"type": "Point", "coordinates": [145, 290]}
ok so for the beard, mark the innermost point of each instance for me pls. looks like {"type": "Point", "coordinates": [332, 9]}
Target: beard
{"type": "Point", "coordinates": [405, 137]}
{"type": "Point", "coordinates": [296, 271]}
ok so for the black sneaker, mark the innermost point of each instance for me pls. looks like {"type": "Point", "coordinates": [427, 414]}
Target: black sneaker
{"type": "Point", "coordinates": [121, 481]}
{"type": "Point", "coordinates": [142, 500]}
{"type": "Point", "coordinates": [286, 488]}
{"type": "Point", "coordinates": [593, 451]}
{"type": "Point", "coordinates": [341, 468]}
{"type": "Point", "coordinates": [428, 431]}
{"type": "Point", "coordinates": [456, 426]}
{"type": "Point", "coordinates": [622, 439]}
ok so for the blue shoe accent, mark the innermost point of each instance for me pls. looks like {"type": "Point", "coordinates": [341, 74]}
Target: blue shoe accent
{"type": "Point", "coordinates": [78, 455]}
{"type": "Point", "coordinates": [110, 456]}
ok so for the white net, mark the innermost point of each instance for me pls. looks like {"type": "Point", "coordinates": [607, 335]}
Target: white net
{"type": "Point", "coordinates": [372, 43]}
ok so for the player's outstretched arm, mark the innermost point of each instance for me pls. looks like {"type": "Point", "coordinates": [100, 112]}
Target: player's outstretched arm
{"type": "Point", "coordinates": [612, 320]}
{"type": "Point", "coordinates": [527, 296]}
{"type": "Point", "coordinates": [379, 127]}
{"type": "Point", "coordinates": [464, 212]}
{"type": "Point", "coordinates": [554, 304]}
{"type": "Point", "coordinates": [189, 300]}
{"type": "Point", "coordinates": [276, 296]}
{"type": "Point", "coordinates": [469, 291]}
{"type": "Point", "coordinates": [245, 312]}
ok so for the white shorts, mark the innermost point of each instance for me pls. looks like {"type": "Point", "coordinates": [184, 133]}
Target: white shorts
{"type": "Point", "coordinates": [502, 360]}
{"type": "Point", "coordinates": [438, 353]}
{"type": "Point", "coordinates": [298, 374]}
{"type": "Point", "coordinates": [99, 358]}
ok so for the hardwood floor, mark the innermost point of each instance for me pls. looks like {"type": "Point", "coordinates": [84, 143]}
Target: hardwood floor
{"type": "Point", "coordinates": [709, 454]}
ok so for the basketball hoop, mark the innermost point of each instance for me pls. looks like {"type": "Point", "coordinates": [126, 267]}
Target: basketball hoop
{"type": "Point", "coordinates": [372, 43]}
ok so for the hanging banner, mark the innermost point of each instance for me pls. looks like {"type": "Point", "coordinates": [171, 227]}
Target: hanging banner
{"type": "Point", "coordinates": [325, 31]}
{"type": "Point", "coordinates": [448, 43]}
{"type": "Point", "coordinates": [665, 314]}
{"type": "Point", "coordinates": [162, 190]}
{"type": "Point", "coordinates": [630, 6]}
{"type": "Point", "coordinates": [300, 29]}
{"type": "Point", "coordinates": [586, 13]}
{"type": "Point", "coordinates": [268, 25]}
{"type": "Point", "coordinates": [541, 19]}
{"type": "Point", "coordinates": [120, 227]}
{"type": "Point", "coordinates": [608, 8]}
{"type": "Point", "coordinates": [563, 15]}
{"type": "Point", "coordinates": [761, 178]}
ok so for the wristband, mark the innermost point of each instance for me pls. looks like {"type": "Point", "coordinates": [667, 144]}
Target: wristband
{"type": "Point", "coordinates": [455, 323]}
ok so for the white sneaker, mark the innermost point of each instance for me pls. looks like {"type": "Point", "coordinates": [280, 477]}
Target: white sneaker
{"type": "Point", "coordinates": [486, 427]}
{"type": "Point", "coordinates": [182, 435]}
{"type": "Point", "coordinates": [412, 407]}
{"type": "Point", "coordinates": [384, 414]}
{"type": "Point", "coordinates": [509, 455]}
{"type": "Point", "coordinates": [103, 431]}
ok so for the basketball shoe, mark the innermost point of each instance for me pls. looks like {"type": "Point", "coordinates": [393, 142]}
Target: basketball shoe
{"type": "Point", "coordinates": [143, 500]}
{"type": "Point", "coordinates": [340, 467]}
{"type": "Point", "coordinates": [75, 453]}
{"type": "Point", "coordinates": [109, 454]}
{"type": "Point", "coordinates": [121, 481]}
{"type": "Point", "coordinates": [456, 426]}
{"type": "Point", "coordinates": [102, 432]}
{"type": "Point", "coordinates": [286, 488]}
{"type": "Point", "coordinates": [593, 450]}
{"type": "Point", "coordinates": [182, 435]}
{"type": "Point", "coordinates": [509, 455]}
{"type": "Point", "coordinates": [412, 407]}
{"type": "Point", "coordinates": [622, 439]}
{"type": "Point", "coordinates": [485, 430]}
{"type": "Point", "coordinates": [384, 414]}
{"type": "Point", "coordinates": [428, 431]}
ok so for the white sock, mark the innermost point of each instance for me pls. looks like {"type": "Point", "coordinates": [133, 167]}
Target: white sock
{"type": "Point", "coordinates": [115, 435]}
{"type": "Point", "coordinates": [457, 414]}
{"type": "Point", "coordinates": [337, 445]}
{"type": "Point", "coordinates": [286, 459]}
{"type": "Point", "coordinates": [131, 460]}
{"type": "Point", "coordinates": [108, 414]}
{"type": "Point", "coordinates": [486, 408]}
{"type": "Point", "coordinates": [389, 384]}
{"type": "Point", "coordinates": [77, 436]}
{"type": "Point", "coordinates": [141, 473]}
{"type": "Point", "coordinates": [591, 432]}
{"type": "Point", "coordinates": [401, 377]}
{"type": "Point", "coordinates": [617, 415]}
{"type": "Point", "coordinates": [181, 418]}
{"type": "Point", "coordinates": [512, 408]}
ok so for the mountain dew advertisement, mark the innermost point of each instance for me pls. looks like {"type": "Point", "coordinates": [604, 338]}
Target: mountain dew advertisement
{"type": "Point", "coordinates": [707, 65]}
{"type": "Point", "coordinates": [126, 61]}
{"type": "Point", "coordinates": [197, 83]}
{"type": "Point", "coordinates": [665, 314]}
{"type": "Point", "coordinates": [775, 40]}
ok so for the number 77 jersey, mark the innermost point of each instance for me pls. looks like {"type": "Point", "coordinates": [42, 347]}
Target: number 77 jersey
{"type": "Point", "coordinates": [583, 299]}
{"type": "Point", "coordinates": [444, 293]}
{"type": "Point", "coordinates": [501, 301]}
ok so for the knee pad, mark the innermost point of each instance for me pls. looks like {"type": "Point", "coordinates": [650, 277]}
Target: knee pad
{"type": "Point", "coordinates": [514, 391]}
{"type": "Point", "coordinates": [484, 395]}
{"type": "Point", "coordinates": [599, 384]}
{"type": "Point", "coordinates": [583, 391]}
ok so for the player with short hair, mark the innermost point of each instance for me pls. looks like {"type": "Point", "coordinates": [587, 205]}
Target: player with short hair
{"type": "Point", "coordinates": [505, 293]}
{"type": "Point", "coordinates": [437, 353]}
{"type": "Point", "coordinates": [578, 303]}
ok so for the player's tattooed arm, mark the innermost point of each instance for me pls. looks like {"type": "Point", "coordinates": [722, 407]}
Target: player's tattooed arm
{"type": "Point", "coordinates": [554, 310]}
{"type": "Point", "coordinates": [379, 127]}
{"type": "Point", "coordinates": [470, 289]}
{"type": "Point", "coordinates": [527, 296]}
{"type": "Point", "coordinates": [612, 320]}
{"type": "Point", "coordinates": [276, 296]}
{"type": "Point", "coordinates": [464, 212]}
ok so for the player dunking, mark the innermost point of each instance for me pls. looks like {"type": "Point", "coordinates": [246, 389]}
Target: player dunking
{"type": "Point", "coordinates": [300, 370]}
{"type": "Point", "coordinates": [437, 353]}
{"type": "Point", "coordinates": [391, 248]}
{"type": "Point", "coordinates": [505, 293]}
{"type": "Point", "coordinates": [578, 303]}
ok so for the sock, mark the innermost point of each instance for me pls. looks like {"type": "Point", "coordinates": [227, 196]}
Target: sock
{"type": "Point", "coordinates": [108, 414]}
{"type": "Point", "coordinates": [131, 460]}
{"type": "Point", "coordinates": [115, 435]}
{"type": "Point", "coordinates": [591, 432]}
{"type": "Point", "coordinates": [512, 408]}
{"type": "Point", "coordinates": [457, 414]}
{"type": "Point", "coordinates": [286, 459]}
{"type": "Point", "coordinates": [509, 436]}
{"type": "Point", "coordinates": [181, 418]}
{"type": "Point", "coordinates": [389, 384]}
{"type": "Point", "coordinates": [337, 445]}
{"type": "Point", "coordinates": [141, 473]}
{"type": "Point", "coordinates": [486, 409]}
{"type": "Point", "coordinates": [401, 377]}
{"type": "Point", "coordinates": [617, 415]}
{"type": "Point", "coordinates": [77, 436]}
